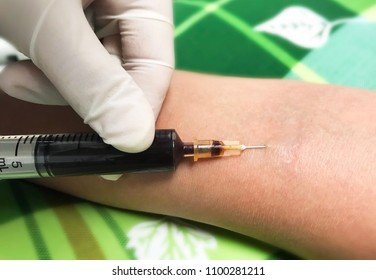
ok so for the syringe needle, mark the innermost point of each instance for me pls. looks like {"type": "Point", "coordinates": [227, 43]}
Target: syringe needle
{"type": "Point", "coordinates": [245, 147]}
{"type": "Point", "coordinates": [213, 148]}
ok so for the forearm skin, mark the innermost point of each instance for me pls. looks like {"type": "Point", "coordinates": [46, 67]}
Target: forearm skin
{"type": "Point", "coordinates": [311, 192]}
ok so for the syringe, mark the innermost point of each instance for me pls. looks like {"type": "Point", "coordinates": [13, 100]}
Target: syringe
{"type": "Point", "coordinates": [50, 155]}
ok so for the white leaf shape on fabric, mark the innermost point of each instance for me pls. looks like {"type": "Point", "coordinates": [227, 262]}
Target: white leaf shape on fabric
{"type": "Point", "coordinates": [300, 26]}
{"type": "Point", "coordinates": [168, 239]}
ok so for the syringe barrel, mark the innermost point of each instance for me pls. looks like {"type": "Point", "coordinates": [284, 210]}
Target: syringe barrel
{"type": "Point", "coordinates": [87, 154]}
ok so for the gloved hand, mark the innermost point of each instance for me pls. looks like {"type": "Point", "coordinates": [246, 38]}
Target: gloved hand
{"type": "Point", "coordinates": [115, 78]}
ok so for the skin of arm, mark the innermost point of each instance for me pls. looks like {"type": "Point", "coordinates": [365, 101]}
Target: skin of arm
{"type": "Point", "coordinates": [311, 192]}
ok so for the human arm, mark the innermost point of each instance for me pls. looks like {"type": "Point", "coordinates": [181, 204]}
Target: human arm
{"type": "Point", "coordinates": [311, 192]}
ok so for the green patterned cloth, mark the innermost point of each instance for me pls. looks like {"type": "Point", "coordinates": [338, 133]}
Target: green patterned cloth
{"type": "Point", "coordinates": [325, 41]}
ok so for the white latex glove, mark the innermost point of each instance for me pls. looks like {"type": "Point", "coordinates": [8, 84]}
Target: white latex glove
{"type": "Point", "coordinates": [116, 84]}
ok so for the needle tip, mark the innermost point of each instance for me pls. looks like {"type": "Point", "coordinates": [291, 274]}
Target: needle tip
{"type": "Point", "coordinates": [244, 147]}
